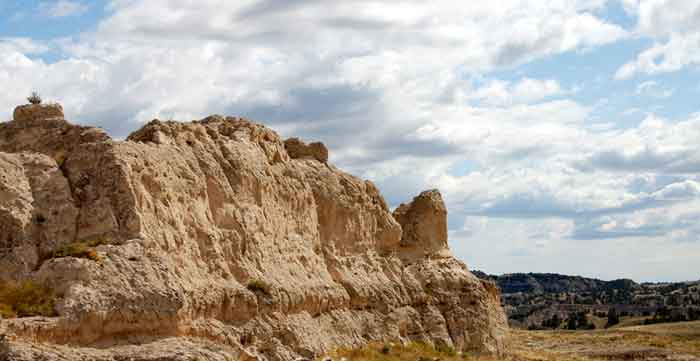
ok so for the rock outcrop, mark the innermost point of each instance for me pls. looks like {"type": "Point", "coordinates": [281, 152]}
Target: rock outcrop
{"type": "Point", "coordinates": [296, 149]}
{"type": "Point", "coordinates": [43, 112]}
{"type": "Point", "coordinates": [216, 239]}
{"type": "Point", "coordinates": [424, 226]}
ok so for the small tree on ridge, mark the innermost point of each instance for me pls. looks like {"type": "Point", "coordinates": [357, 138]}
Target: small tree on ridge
{"type": "Point", "coordinates": [34, 98]}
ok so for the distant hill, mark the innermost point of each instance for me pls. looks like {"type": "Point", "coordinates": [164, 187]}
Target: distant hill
{"type": "Point", "coordinates": [543, 283]}
{"type": "Point", "coordinates": [534, 299]}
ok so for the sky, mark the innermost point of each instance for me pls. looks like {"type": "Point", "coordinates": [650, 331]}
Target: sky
{"type": "Point", "coordinates": [563, 135]}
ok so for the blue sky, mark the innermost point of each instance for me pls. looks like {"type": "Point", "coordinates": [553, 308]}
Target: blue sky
{"type": "Point", "coordinates": [562, 134]}
{"type": "Point", "coordinates": [28, 18]}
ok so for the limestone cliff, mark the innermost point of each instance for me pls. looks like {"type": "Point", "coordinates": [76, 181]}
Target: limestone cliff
{"type": "Point", "coordinates": [217, 239]}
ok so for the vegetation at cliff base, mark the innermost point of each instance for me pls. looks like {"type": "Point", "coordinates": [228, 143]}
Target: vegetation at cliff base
{"type": "Point", "coordinates": [25, 299]}
{"type": "Point", "coordinates": [397, 352]}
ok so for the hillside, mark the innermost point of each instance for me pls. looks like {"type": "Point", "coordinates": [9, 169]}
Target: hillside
{"type": "Point", "coordinates": [216, 239]}
{"type": "Point", "coordinates": [533, 299]}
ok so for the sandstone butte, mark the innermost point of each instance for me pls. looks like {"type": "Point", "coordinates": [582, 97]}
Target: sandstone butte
{"type": "Point", "coordinates": [220, 241]}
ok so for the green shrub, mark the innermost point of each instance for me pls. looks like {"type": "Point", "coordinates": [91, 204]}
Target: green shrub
{"type": "Point", "coordinates": [6, 311]}
{"type": "Point", "coordinates": [445, 349]}
{"type": "Point", "coordinates": [26, 299]}
{"type": "Point", "coordinates": [259, 286]}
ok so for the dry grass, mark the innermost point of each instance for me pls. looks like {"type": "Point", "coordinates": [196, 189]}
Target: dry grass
{"type": "Point", "coordinates": [679, 329]}
{"type": "Point", "coordinates": [631, 321]}
{"type": "Point", "coordinates": [680, 341]}
{"type": "Point", "coordinates": [671, 342]}
{"type": "Point", "coordinates": [396, 352]}
{"type": "Point", "coordinates": [84, 249]}
{"type": "Point", "coordinates": [25, 299]}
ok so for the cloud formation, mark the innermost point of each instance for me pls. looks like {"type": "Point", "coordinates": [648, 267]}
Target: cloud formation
{"type": "Point", "coordinates": [673, 26]}
{"type": "Point", "coordinates": [418, 95]}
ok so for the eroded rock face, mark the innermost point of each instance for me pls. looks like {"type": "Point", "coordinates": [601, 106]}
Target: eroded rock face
{"type": "Point", "coordinates": [37, 213]}
{"type": "Point", "coordinates": [424, 225]}
{"type": "Point", "coordinates": [218, 231]}
{"type": "Point", "coordinates": [32, 112]}
{"type": "Point", "coordinates": [41, 128]}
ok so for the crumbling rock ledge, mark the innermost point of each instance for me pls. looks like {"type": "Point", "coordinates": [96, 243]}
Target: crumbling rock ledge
{"type": "Point", "coordinates": [218, 240]}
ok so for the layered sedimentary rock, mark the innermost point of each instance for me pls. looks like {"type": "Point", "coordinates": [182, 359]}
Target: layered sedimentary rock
{"type": "Point", "coordinates": [219, 240]}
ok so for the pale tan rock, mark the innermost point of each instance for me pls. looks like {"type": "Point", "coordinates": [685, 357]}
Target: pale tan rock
{"type": "Point", "coordinates": [424, 225]}
{"type": "Point", "coordinates": [41, 128]}
{"type": "Point", "coordinates": [194, 216]}
{"type": "Point", "coordinates": [33, 112]}
{"type": "Point", "coordinates": [37, 214]}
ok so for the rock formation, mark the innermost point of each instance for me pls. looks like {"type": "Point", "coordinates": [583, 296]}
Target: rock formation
{"type": "Point", "coordinates": [298, 149]}
{"type": "Point", "coordinates": [217, 240]}
{"type": "Point", "coordinates": [43, 112]}
{"type": "Point", "coordinates": [424, 226]}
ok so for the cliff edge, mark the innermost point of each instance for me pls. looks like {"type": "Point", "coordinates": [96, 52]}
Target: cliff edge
{"type": "Point", "coordinates": [219, 240]}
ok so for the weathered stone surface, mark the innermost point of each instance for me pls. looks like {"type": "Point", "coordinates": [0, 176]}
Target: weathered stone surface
{"type": "Point", "coordinates": [37, 214]}
{"type": "Point", "coordinates": [40, 128]}
{"type": "Point", "coordinates": [424, 225]}
{"type": "Point", "coordinates": [32, 112]}
{"type": "Point", "coordinates": [298, 149]}
{"type": "Point", "coordinates": [194, 215]}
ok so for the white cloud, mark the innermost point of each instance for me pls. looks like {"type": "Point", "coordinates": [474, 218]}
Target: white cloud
{"type": "Point", "coordinates": [657, 144]}
{"type": "Point", "coordinates": [652, 259]}
{"type": "Point", "coordinates": [653, 89]}
{"type": "Point", "coordinates": [501, 93]}
{"type": "Point", "coordinates": [412, 33]}
{"type": "Point", "coordinates": [660, 18]}
{"type": "Point", "coordinates": [403, 93]}
{"type": "Point", "coordinates": [62, 8]}
{"type": "Point", "coordinates": [22, 46]}
{"type": "Point", "coordinates": [673, 26]}
{"type": "Point", "coordinates": [679, 51]}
